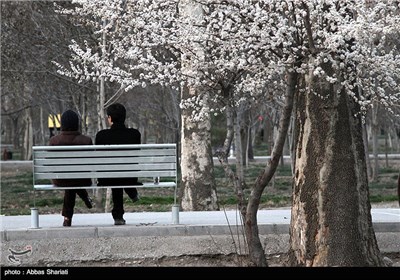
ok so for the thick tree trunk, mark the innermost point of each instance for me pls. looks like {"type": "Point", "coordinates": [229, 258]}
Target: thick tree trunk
{"type": "Point", "coordinates": [331, 222]}
{"type": "Point", "coordinates": [197, 183]}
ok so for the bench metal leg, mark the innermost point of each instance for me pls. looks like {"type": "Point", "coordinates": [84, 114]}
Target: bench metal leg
{"type": "Point", "coordinates": [175, 214]}
{"type": "Point", "coordinates": [34, 218]}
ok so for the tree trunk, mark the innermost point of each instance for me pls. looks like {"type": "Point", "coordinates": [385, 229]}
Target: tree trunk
{"type": "Point", "coordinates": [331, 222]}
{"type": "Point", "coordinates": [230, 131]}
{"type": "Point", "coordinates": [375, 141]}
{"type": "Point", "coordinates": [395, 138]}
{"type": "Point", "coordinates": [268, 132]}
{"type": "Point", "coordinates": [41, 134]}
{"type": "Point", "coordinates": [239, 148]}
{"type": "Point", "coordinates": [243, 126]}
{"type": "Point", "coordinates": [197, 183]}
{"type": "Point", "coordinates": [15, 131]}
{"type": "Point", "coordinates": [386, 148]}
{"type": "Point", "coordinates": [398, 188]}
{"type": "Point", "coordinates": [256, 252]}
{"type": "Point", "coordinates": [101, 124]}
{"type": "Point", "coordinates": [367, 159]}
{"type": "Point", "coordinates": [28, 136]}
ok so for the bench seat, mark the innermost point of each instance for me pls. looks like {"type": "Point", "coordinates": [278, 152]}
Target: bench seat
{"type": "Point", "coordinates": [155, 166]}
{"type": "Point", "coordinates": [145, 185]}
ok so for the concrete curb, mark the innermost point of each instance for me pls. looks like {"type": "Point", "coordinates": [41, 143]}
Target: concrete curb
{"type": "Point", "coordinates": [94, 238]}
{"type": "Point", "coordinates": [152, 230]}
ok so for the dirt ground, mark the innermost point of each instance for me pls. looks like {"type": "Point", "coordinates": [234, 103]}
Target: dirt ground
{"type": "Point", "coordinates": [233, 260]}
{"type": "Point", "coordinates": [277, 260]}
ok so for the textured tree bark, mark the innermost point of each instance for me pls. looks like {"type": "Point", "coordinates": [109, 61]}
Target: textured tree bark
{"type": "Point", "coordinates": [331, 222]}
{"type": "Point", "coordinates": [198, 190]}
{"type": "Point", "coordinates": [197, 183]}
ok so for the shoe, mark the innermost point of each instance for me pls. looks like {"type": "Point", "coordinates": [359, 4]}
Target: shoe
{"type": "Point", "coordinates": [88, 202]}
{"type": "Point", "coordinates": [136, 198]}
{"type": "Point", "coordinates": [119, 222]}
{"type": "Point", "coordinates": [67, 222]}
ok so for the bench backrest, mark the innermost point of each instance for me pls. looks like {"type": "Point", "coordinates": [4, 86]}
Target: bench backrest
{"type": "Point", "coordinates": [105, 161]}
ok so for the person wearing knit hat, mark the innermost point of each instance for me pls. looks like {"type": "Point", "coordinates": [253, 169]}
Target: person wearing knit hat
{"type": "Point", "coordinates": [70, 135]}
{"type": "Point", "coordinates": [69, 121]}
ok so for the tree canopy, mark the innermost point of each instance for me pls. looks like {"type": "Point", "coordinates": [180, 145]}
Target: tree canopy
{"type": "Point", "coordinates": [247, 45]}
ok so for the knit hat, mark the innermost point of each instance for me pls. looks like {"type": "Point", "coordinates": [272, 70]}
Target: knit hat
{"type": "Point", "coordinates": [69, 121]}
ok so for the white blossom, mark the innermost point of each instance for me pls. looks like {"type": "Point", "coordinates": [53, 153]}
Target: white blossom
{"type": "Point", "coordinates": [246, 46]}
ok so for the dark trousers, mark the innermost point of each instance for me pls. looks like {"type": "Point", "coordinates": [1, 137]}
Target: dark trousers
{"type": "Point", "coordinates": [69, 201]}
{"type": "Point", "coordinates": [118, 201]}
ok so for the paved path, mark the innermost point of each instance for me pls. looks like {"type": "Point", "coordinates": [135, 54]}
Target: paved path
{"type": "Point", "coordinates": [275, 216]}
{"type": "Point", "coordinates": [190, 223]}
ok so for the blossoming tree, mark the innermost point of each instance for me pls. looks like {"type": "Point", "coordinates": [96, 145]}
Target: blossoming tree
{"type": "Point", "coordinates": [330, 60]}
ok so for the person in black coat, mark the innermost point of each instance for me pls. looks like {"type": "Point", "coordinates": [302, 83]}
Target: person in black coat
{"type": "Point", "coordinates": [70, 135]}
{"type": "Point", "coordinates": [118, 133]}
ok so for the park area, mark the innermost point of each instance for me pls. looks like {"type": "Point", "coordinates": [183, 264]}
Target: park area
{"type": "Point", "coordinates": [17, 194]}
{"type": "Point", "coordinates": [17, 191]}
{"type": "Point", "coordinates": [17, 186]}
{"type": "Point", "coordinates": [228, 82]}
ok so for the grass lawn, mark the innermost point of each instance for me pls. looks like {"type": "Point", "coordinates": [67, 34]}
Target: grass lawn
{"type": "Point", "coordinates": [17, 195]}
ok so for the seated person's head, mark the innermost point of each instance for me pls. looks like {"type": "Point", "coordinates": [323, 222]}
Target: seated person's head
{"type": "Point", "coordinates": [69, 121]}
{"type": "Point", "coordinates": [117, 112]}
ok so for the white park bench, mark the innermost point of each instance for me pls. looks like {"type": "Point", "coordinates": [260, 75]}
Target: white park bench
{"type": "Point", "coordinates": [154, 164]}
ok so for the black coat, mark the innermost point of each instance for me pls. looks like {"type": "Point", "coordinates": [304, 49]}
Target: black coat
{"type": "Point", "coordinates": [118, 134]}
